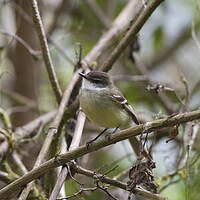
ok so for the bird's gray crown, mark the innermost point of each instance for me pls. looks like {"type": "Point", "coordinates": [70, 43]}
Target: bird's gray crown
{"type": "Point", "coordinates": [100, 78]}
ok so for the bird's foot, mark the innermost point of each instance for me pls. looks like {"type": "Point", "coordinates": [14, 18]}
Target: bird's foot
{"type": "Point", "coordinates": [88, 143]}
{"type": "Point", "coordinates": [108, 136]}
{"type": "Point", "coordinates": [92, 140]}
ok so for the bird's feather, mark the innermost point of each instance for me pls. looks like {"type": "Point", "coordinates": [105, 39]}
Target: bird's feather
{"type": "Point", "coordinates": [121, 100]}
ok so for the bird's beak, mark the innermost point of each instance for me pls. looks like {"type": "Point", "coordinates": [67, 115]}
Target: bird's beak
{"type": "Point", "coordinates": [83, 75]}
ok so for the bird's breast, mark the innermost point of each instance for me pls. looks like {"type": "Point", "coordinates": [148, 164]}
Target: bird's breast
{"type": "Point", "coordinates": [101, 110]}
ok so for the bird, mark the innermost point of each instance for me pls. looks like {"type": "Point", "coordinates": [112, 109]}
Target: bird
{"type": "Point", "coordinates": [103, 103]}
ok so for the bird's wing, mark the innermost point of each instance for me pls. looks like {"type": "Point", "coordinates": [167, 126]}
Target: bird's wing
{"type": "Point", "coordinates": [121, 100]}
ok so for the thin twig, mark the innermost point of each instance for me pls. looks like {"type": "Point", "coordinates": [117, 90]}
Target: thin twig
{"type": "Point", "coordinates": [4, 177]}
{"type": "Point", "coordinates": [8, 169]}
{"type": "Point", "coordinates": [186, 86]}
{"type": "Point", "coordinates": [45, 50]}
{"type": "Point", "coordinates": [33, 52]}
{"type": "Point", "coordinates": [19, 163]}
{"type": "Point", "coordinates": [23, 170]}
{"type": "Point", "coordinates": [178, 172]}
{"type": "Point", "coordinates": [33, 138]}
{"type": "Point", "coordinates": [169, 184]}
{"type": "Point", "coordinates": [82, 190]}
{"type": "Point", "coordinates": [26, 17]}
{"type": "Point", "coordinates": [4, 144]}
{"type": "Point", "coordinates": [26, 130]}
{"type": "Point", "coordinates": [115, 162]}
{"type": "Point", "coordinates": [194, 36]}
{"type": "Point", "coordinates": [162, 98]}
{"type": "Point", "coordinates": [105, 189]}
{"type": "Point", "coordinates": [59, 183]}
{"type": "Point", "coordinates": [27, 189]}
{"type": "Point", "coordinates": [20, 99]}
{"type": "Point", "coordinates": [105, 179]}
{"type": "Point", "coordinates": [61, 51]}
{"type": "Point", "coordinates": [122, 175]}
{"type": "Point", "coordinates": [78, 131]}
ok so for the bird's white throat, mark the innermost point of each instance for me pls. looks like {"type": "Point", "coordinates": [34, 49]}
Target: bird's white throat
{"type": "Point", "coordinates": [91, 86]}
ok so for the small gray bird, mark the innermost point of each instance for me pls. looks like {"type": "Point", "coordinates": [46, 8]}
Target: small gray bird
{"type": "Point", "coordinates": [103, 103]}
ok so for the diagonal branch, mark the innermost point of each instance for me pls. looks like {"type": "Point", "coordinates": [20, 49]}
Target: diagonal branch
{"type": "Point", "coordinates": [26, 130]}
{"type": "Point", "coordinates": [130, 12]}
{"type": "Point", "coordinates": [82, 150]}
{"type": "Point", "coordinates": [131, 33]}
{"type": "Point", "coordinates": [33, 52]}
{"type": "Point", "coordinates": [45, 50]}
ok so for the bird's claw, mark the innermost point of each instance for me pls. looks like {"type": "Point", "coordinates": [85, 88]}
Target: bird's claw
{"type": "Point", "coordinates": [88, 143]}
{"type": "Point", "coordinates": [108, 136]}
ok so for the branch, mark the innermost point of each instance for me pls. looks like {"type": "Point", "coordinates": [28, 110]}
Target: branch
{"type": "Point", "coordinates": [131, 33]}
{"type": "Point", "coordinates": [21, 167]}
{"type": "Point", "coordinates": [119, 184]}
{"type": "Point", "coordinates": [25, 192]}
{"type": "Point", "coordinates": [162, 98]}
{"type": "Point", "coordinates": [74, 144]}
{"type": "Point", "coordinates": [129, 13]}
{"type": "Point", "coordinates": [194, 36]}
{"type": "Point", "coordinates": [27, 129]}
{"type": "Point", "coordinates": [54, 126]}
{"type": "Point", "coordinates": [79, 193]}
{"type": "Point", "coordinates": [33, 52]}
{"type": "Point", "coordinates": [20, 99]}
{"type": "Point", "coordinates": [4, 177]}
{"type": "Point", "coordinates": [51, 28]}
{"type": "Point", "coordinates": [45, 50]}
{"type": "Point", "coordinates": [78, 131]}
{"type": "Point", "coordinates": [82, 150]}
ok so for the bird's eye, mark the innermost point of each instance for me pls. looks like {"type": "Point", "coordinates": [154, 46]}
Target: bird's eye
{"type": "Point", "coordinates": [97, 81]}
